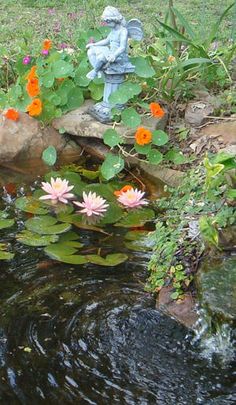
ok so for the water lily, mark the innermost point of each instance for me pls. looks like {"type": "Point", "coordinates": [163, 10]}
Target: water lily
{"type": "Point", "coordinates": [93, 204]}
{"type": "Point", "coordinates": [58, 190]}
{"type": "Point", "coordinates": [132, 198]}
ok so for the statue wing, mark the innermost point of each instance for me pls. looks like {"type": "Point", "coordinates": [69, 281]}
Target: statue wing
{"type": "Point", "coordinates": [135, 29]}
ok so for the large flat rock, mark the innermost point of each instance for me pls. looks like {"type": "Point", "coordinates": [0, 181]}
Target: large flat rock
{"type": "Point", "coordinates": [80, 123]}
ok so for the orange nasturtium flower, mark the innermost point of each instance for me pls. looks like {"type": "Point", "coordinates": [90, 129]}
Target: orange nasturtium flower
{"type": "Point", "coordinates": [32, 87]}
{"type": "Point", "coordinates": [156, 110]}
{"type": "Point", "coordinates": [143, 136]}
{"type": "Point", "coordinates": [32, 73]}
{"type": "Point", "coordinates": [171, 58]}
{"type": "Point", "coordinates": [117, 193]}
{"type": "Point", "coordinates": [47, 44]}
{"type": "Point", "coordinates": [35, 108]}
{"type": "Point", "coordinates": [12, 114]}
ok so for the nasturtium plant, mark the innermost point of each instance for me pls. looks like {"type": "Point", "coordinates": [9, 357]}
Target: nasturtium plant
{"type": "Point", "coordinates": [49, 155]}
{"type": "Point", "coordinates": [111, 137]}
{"type": "Point", "coordinates": [112, 165]}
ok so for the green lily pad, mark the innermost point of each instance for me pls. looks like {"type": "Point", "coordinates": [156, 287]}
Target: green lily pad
{"type": "Point", "coordinates": [136, 217]}
{"type": "Point", "coordinates": [139, 241]}
{"type": "Point", "coordinates": [6, 223]}
{"type": "Point", "coordinates": [46, 225]}
{"type": "Point", "coordinates": [112, 215]}
{"type": "Point", "coordinates": [34, 239]}
{"type": "Point", "coordinates": [64, 253]}
{"type": "Point", "coordinates": [70, 239]}
{"type": "Point", "coordinates": [6, 255]}
{"type": "Point", "coordinates": [110, 260]}
{"type": "Point", "coordinates": [30, 204]}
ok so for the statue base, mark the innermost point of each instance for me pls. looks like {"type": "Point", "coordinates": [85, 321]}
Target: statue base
{"type": "Point", "coordinates": [102, 112]}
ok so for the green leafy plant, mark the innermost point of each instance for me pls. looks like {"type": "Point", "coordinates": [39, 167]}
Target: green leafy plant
{"type": "Point", "coordinates": [190, 220]}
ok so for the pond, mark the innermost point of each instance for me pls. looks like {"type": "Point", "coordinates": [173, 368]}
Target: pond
{"type": "Point", "coordinates": [87, 334]}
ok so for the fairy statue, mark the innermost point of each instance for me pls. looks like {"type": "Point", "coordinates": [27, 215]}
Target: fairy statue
{"type": "Point", "coordinates": [109, 57]}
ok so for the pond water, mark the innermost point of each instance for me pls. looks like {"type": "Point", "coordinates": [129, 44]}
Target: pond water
{"type": "Point", "coordinates": [81, 334]}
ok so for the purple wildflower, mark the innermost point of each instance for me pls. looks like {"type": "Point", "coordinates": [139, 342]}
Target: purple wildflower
{"type": "Point", "coordinates": [45, 52]}
{"type": "Point", "coordinates": [26, 60]}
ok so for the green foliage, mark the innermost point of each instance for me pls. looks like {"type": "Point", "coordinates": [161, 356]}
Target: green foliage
{"type": "Point", "coordinates": [49, 155]}
{"type": "Point", "coordinates": [190, 220]}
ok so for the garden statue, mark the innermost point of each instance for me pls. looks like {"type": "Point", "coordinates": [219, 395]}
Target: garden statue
{"type": "Point", "coordinates": [109, 58]}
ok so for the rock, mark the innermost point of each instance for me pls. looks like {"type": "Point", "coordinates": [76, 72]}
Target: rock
{"type": "Point", "coordinates": [25, 138]}
{"type": "Point", "coordinates": [168, 176]}
{"type": "Point", "coordinates": [216, 282]}
{"type": "Point", "coordinates": [183, 311]}
{"type": "Point", "coordinates": [196, 113]}
{"type": "Point", "coordinates": [80, 123]}
{"type": "Point", "coordinates": [216, 137]}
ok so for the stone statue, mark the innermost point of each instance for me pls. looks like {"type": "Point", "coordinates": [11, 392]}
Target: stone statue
{"type": "Point", "coordinates": [109, 57]}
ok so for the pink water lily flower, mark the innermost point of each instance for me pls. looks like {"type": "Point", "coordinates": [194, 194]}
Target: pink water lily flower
{"type": "Point", "coordinates": [93, 204]}
{"type": "Point", "coordinates": [132, 198]}
{"type": "Point", "coordinates": [58, 190]}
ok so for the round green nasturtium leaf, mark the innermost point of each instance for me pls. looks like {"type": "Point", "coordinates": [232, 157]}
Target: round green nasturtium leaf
{"type": "Point", "coordinates": [159, 137]}
{"type": "Point", "coordinates": [142, 149]}
{"type": "Point", "coordinates": [48, 80]}
{"type": "Point", "coordinates": [155, 157]}
{"type": "Point", "coordinates": [110, 260]}
{"type": "Point", "coordinates": [96, 91]}
{"type": "Point", "coordinates": [125, 92]}
{"type": "Point", "coordinates": [142, 67]}
{"type": "Point", "coordinates": [176, 157]}
{"type": "Point", "coordinates": [136, 217]}
{"type": "Point", "coordinates": [75, 98]}
{"type": "Point", "coordinates": [30, 204]}
{"type": "Point", "coordinates": [62, 69]}
{"type": "Point", "coordinates": [111, 137]}
{"type": "Point", "coordinates": [6, 223]}
{"type": "Point", "coordinates": [49, 155]}
{"type": "Point", "coordinates": [231, 193]}
{"type": "Point", "coordinates": [46, 225]}
{"type": "Point", "coordinates": [111, 166]}
{"type": "Point", "coordinates": [34, 239]}
{"type": "Point", "coordinates": [65, 254]}
{"type": "Point", "coordinates": [130, 117]}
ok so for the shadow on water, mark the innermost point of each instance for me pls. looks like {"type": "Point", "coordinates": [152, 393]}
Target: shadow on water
{"type": "Point", "coordinates": [90, 335]}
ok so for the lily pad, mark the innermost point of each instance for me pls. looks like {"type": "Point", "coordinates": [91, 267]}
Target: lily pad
{"type": "Point", "coordinates": [110, 260]}
{"type": "Point", "coordinates": [139, 241]}
{"type": "Point", "coordinates": [6, 223]}
{"type": "Point", "coordinates": [30, 204]}
{"type": "Point", "coordinates": [46, 225]}
{"type": "Point", "coordinates": [3, 254]}
{"type": "Point", "coordinates": [113, 214]}
{"type": "Point", "coordinates": [6, 255]}
{"type": "Point", "coordinates": [137, 217]}
{"type": "Point", "coordinates": [70, 239]}
{"type": "Point", "coordinates": [34, 239]}
{"type": "Point", "coordinates": [65, 254]}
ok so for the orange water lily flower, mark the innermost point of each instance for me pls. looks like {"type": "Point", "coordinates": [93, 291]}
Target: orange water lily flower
{"type": "Point", "coordinates": [117, 193]}
{"type": "Point", "coordinates": [35, 108]}
{"type": "Point", "coordinates": [32, 87]}
{"type": "Point", "coordinates": [143, 136]}
{"type": "Point", "coordinates": [12, 114]}
{"type": "Point", "coordinates": [32, 73]}
{"type": "Point", "coordinates": [156, 110]}
{"type": "Point", "coordinates": [47, 44]}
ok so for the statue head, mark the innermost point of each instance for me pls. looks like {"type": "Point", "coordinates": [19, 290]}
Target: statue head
{"type": "Point", "coordinates": [112, 15]}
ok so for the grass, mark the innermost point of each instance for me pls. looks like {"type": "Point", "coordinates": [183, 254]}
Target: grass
{"type": "Point", "coordinates": [25, 23]}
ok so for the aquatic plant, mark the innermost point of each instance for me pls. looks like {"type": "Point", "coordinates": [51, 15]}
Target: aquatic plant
{"type": "Point", "coordinates": [93, 204]}
{"type": "Point", "coordinates": [132, 198]}
{"type": "Point", "coordinates": [58, 190]}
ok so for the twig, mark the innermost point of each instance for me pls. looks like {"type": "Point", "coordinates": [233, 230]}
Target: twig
{"type": "Point", "coordinates": [136, 178]}
{"type": "Point", "coordinates": [221, 118]}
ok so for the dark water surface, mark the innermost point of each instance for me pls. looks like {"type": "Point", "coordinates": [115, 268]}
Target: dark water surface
{"type": "Point", "coordinates": [87, 335]}
{"type": "Point", "coordinates": [91, 335]}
